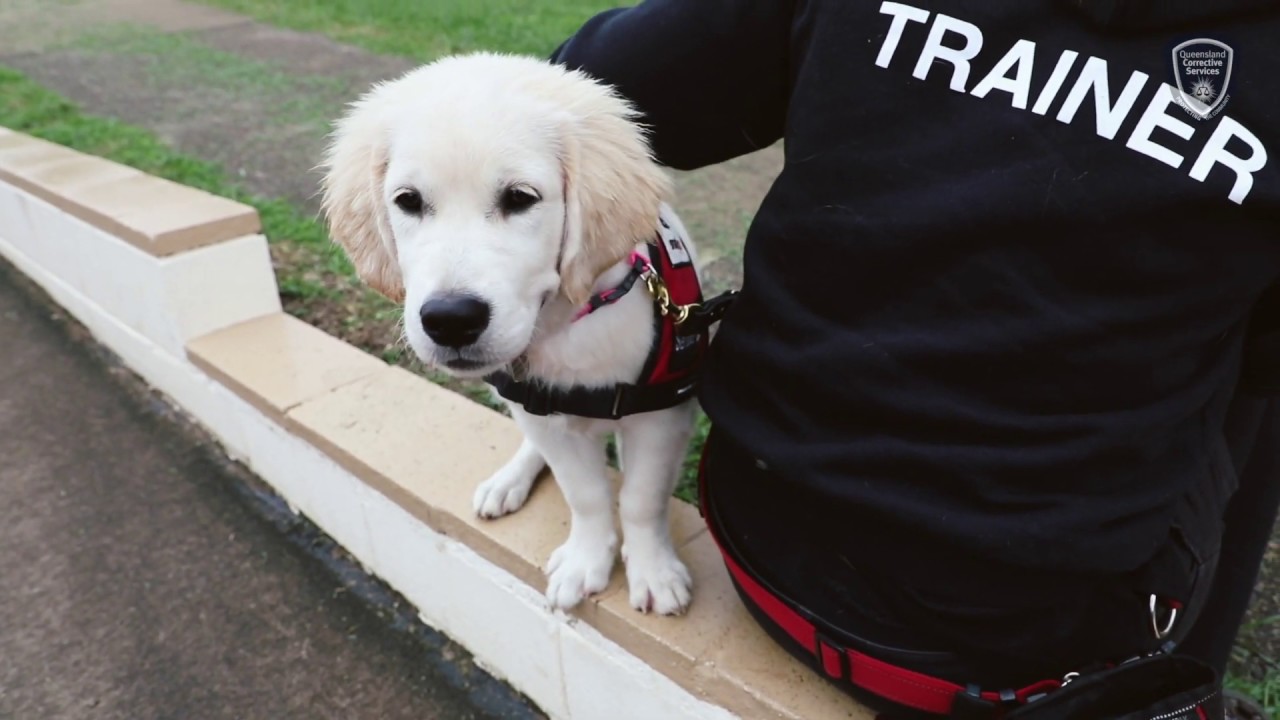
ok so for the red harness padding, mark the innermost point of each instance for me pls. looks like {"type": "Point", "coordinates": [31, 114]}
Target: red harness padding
{"type": "Point", "coordinates": [895, 684]}
{"type": "Point", "coordinates": [674, 356]}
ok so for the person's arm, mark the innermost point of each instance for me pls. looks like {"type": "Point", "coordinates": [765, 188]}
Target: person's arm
{"type": "Point", "coordinates": [711, 76]}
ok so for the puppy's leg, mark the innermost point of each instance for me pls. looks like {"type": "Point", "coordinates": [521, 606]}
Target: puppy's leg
{"type": "Point", "coordinates": [507, 489]}
{"type": "Point", "coordinates": [581, 566]}
{"type": "Point", "coordinates": [655, 446]}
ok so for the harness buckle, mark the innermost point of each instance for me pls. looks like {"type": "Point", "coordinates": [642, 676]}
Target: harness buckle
{"type": "Point", "coordinates": [658, 289]}
{"type": "Point", "coordinates": [683, 311]}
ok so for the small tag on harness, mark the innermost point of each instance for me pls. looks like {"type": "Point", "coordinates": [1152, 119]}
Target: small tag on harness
{"type": "Point", "coordinates": [677, 251]}
{"type": "Point", "coordinates": [684, 353]}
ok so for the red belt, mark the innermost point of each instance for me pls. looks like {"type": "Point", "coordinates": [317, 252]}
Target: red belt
{"type": "Point", "coordinates": [895, 684]}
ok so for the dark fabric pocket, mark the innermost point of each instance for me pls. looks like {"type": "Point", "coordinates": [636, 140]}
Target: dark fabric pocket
{"type": "Point", "coordinates": [1106, 619]}
{"type": "Point", "coordinates": [1185, 569]}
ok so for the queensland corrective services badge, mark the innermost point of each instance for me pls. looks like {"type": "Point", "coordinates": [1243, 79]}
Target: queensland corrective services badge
{"type": "Point", "coordinates": [1202, 72]}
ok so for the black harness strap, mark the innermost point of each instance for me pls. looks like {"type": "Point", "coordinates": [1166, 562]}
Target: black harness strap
{"type": "Point", "coordinates": [702, 317]}
{"type": "Point", "coordinates": [604, 403]}
{"type": "Point", "coordinates": [614, 294]}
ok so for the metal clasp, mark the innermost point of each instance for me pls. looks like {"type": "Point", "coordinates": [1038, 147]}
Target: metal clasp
{"type": "Point", "coordinates": [658, 289]}
{"type": "Point", "coordinates": [616, 411]}
{"type": "Point", "coordinates": [1162, 631]}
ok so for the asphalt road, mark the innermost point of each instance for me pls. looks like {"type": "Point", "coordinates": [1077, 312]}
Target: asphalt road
{"type": "Point", "coordinates": [143, 576]}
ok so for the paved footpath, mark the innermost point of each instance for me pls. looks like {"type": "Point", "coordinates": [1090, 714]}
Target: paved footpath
{"type": "Point", "coordinates": [140, 579]}
{"type": "Point", "coordinates": [253, 98]}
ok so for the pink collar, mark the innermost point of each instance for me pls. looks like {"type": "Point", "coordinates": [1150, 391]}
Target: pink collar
{"type": "Point", "coordinates": [640, 266]}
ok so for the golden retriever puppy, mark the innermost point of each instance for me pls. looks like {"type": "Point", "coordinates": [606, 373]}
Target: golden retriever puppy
{"type": "Point", "coordinates": [505, 201]}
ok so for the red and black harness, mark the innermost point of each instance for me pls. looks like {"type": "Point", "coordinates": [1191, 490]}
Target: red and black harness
{"type": "Point", "coordinates": [682, 322]}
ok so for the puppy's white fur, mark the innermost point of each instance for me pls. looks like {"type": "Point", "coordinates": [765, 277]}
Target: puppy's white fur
{"type": "Point", "coordinates": [460, 132]}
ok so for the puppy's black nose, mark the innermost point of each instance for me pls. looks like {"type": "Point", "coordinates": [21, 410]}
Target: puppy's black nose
{"type": "Point", "coordinates": [455, 320]}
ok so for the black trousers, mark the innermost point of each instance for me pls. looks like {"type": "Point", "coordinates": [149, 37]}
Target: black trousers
{"type": "Point", "coordinates": [1009, 644]}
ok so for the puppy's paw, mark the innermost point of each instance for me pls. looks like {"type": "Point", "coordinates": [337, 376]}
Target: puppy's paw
{"type": "Point", "coordinates": [502, 494]}
{"type": "Point", "coordinates": [578, 570]}
{"type": "Point", "coordinates": [658, 581]}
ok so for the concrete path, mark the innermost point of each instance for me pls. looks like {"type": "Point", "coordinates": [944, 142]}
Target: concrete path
{"type": "Point", "coordinates": [255, 99]}
{"type": "Point", "coordinates": [140, 581]}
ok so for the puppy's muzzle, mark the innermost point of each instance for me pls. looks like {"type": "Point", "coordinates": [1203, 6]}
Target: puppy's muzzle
{"type": "Point", "coordinates": [456, 320]}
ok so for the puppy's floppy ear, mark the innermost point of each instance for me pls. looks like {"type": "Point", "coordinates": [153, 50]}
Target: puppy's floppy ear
{"type": "Point", "coordinates": [356, 167]}
{"type": "Point", "coordinates": [613, 189]}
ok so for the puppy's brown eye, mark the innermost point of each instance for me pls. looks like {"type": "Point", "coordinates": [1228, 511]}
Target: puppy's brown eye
{"type": "Point", "coordinates": [410, 201]}
{"type": "Point", "coordinates": [516, 200]}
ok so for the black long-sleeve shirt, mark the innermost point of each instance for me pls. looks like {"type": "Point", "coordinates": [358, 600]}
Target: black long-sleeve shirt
{"type": "Point", "coordinates": [997, 297]}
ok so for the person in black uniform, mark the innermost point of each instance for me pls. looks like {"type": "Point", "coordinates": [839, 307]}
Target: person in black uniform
{"type": "Point", "coordinates": [994, 396]}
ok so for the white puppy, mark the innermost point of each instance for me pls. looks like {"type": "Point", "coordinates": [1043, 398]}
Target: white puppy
{"type": "Point", "coordinates": [493, 195]}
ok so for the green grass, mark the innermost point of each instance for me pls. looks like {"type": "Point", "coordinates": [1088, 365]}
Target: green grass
{"type": "Point", "coordinates": [1265, 691]}
{"type": "Point", "coordinates": [31, 109]}
{"type": "Point", "coordinates": [426, 29]}
{"type": "Point", "coordinates": [1260, 673]}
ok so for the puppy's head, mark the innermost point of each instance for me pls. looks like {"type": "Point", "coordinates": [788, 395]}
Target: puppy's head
{"type": "Point", "coordinates": [477, 188]}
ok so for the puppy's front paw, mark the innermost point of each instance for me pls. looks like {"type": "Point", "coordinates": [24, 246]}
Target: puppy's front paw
{"type": "Point", "coordinates": [658, 581]}
{"type": "Point", "coordinates": [502, 494]}
{"type": "Point", "coordinates": [577, 570]}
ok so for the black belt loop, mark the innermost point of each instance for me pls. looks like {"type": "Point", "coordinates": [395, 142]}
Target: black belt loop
{"type": "Point", "coordinates": [832, 657]}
